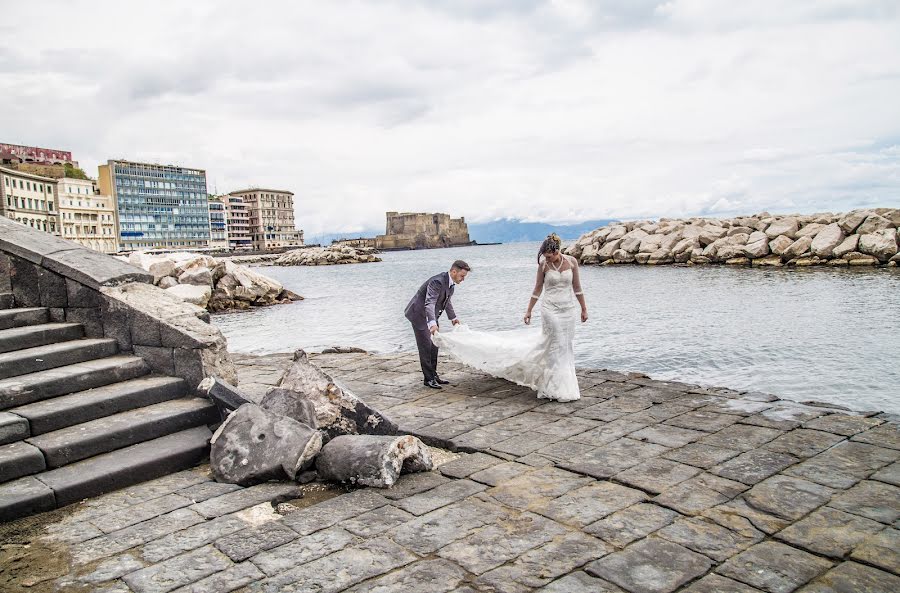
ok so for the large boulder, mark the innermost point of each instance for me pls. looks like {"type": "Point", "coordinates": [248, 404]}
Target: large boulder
{"type": "Point", "coordinates": [810, 230]}
{"type": "Point", "coordinates": [711, 233]}
{"type": "Point", "coordinates": [620, 256]}
{"type": "Point", "coordinates": [848, 245]}
{"type": "Point", "coordinates": [291, 404]}
{"type": "Point", "coordinates": [757, 249]}
{"type": "Point", "coordinates": [851, 221]}
{"type": "Point", "coordinates": [189, 293]}
{"type": "Point", "coordinates": [375, 461]}
{"type": "Point", "coordinates": [880, 244]}
{"type": "Point", "coordinates": [827, 238]}
{"type": "Point", "coordinates": [616, 232]}
{"type": "Point", "coordinates": [650, 243]}
{"type": "Point", "coordinates": [757, 236]}
{"type": "Point", "coordinates": [660, 256]}
{"type": "Point", "coordinates": [161, 269]}
{"type": "Point", "coordinates": [167, 282]}
{"type": "Point", "coordinates": [797, 248]}
{"type": "Point", "coordinates": [254, 445]}
{"type": "Point", "coordinates": [874, 223]}
{"type": "Point", "coordinates": [607, 250]}
{"type": "Point", "coordinates": [780, 244]}
{"type": "Point", "coordinates": [785, 226]}
{"type": "Point", "coordinates": [589, 254]}
{"type": "Point", "coordinates": [338, 411]}
{"type": "Point", "coordinates": [196, 275]}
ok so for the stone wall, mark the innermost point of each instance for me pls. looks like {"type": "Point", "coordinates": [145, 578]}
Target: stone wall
{"type": "Point", "coordinates": [868, 237]}
{"type": "Point", "coordinates": [112, 299]}
{"type": "Point", "coordinates": [422, 230]}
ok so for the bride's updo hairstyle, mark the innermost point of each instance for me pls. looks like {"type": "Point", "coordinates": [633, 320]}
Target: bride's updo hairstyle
{"type": "Point", "coordinates": [551, 243]}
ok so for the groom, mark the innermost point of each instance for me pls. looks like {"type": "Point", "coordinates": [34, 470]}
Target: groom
{"type": "Point", "coordinates": [423, 312]}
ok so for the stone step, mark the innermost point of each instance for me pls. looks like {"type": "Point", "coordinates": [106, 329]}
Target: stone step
{"type": "Point", "coordinates": [20, 459]}
{"type": "Point", "coordinates": [84, 406]}
{"type": "Point", "coordinates": [41, 358]}
{"type": "Point", "coordinates": [29, 336]}
{"type": "Point", "coordinates": [6, 300]}
{"type": "Point", "coordinates": [104, 473]}
{"type": "Point", "coordinates": [68, 445]}
{"type": "Point", "coordinates": [23, 316]}
{"type": "Point", "coordinates": [26, 389]}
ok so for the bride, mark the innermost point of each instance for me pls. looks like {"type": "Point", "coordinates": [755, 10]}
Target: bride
{"type": "Point", "coordinates": [544, 362]}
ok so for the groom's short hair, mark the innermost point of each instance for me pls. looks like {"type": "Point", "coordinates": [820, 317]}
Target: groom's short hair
{"type": "Point", "coordinates": [460, 265]}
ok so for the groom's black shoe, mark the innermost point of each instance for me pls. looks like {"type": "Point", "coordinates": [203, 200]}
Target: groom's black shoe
{"type": "Point", "coordinates": [433, 384]}
{"type": "Point", "coordinates": [441, 381]}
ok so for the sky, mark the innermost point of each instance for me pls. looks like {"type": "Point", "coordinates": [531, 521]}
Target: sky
{"type": "Point", "coordinates": [545, 111]}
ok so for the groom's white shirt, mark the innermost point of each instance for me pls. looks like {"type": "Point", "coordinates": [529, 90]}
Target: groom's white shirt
{"type": "Point", "coordinates": [450, 281]}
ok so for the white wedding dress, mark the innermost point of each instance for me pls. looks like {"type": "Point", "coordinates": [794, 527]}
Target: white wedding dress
{"type": "Point", "coordinates": [543, 361]}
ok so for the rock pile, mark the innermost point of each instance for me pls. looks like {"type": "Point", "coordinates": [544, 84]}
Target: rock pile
{"type": "Point", "coordinates": [327, 256]}
{"type": "Point", "coordinates": [856, 238]}
{"type": "Point", "coordinates": [217, 285]}
{"type": "Point", "coordinates": [308, 419]}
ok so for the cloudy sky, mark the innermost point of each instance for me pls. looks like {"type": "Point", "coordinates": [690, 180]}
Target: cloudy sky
{"type": "Point", "coordinates": [553, 111]}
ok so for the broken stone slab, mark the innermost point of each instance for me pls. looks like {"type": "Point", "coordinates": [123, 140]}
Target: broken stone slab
{"type": "Point", "coordinates": [372, 460]}
{"type": "Point", "coordinates": [291, 404]}
{"type": "Point", "coordinates": [227, 397]}
{"type": "Point", "coordinates": [254, 445]}
{"type": "Point", "coordinates": [338, 411]}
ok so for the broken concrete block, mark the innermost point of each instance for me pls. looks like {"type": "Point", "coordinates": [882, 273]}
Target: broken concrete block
{"type": "Point", "coordinates": [372, 460]}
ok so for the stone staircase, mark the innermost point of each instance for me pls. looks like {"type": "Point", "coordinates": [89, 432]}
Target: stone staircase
{"type": "Point", "coordinates": [78, 418]}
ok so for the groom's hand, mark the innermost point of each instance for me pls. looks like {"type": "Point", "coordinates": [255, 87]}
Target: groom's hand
{"type": "Point", "coordinates": [434, 329]}
{"type": "Point", "coordinates": [456, 322]}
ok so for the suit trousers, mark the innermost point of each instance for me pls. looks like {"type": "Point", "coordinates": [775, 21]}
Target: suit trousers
{"type": "Point", "coordinates": [428, 353]}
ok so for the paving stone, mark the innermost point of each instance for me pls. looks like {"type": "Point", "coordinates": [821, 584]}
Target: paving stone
{"type": "Point", "coordinates": [579, 582]}
{"type": "Point", "coordinates": [658, 413]}
{"type": "Point", "coordinates": [191, 538]}
{"type": "Point", "coordinates": [737, 406]}
{"type": "Point", "coordinates": [534, 487]}
{"type": "Point", "coordinates": [843, 424]}
{"type": "Point", "coordinates": [703, 421]}
{"type": "Point", "coordinates": [844, 464]}
{"type": "Point", "coordinates": [524, 444]}
{"type": "Point", "coordinates": [135, 535]}
{"type": "Point", "coordinates": [112, 569]}
{"type": "Point", "coordinates": [558, 557]}
{"type": "Point", "coordinates": [233, 577]}
{"type": "Point", "coordinates": [612, 458]}
{"type": "Point", "coordinates": [72, 533]}
{"type": "Point", "coordinates": [568, 427]}
{"type": "Point", "coordinates": [327, 513]}
{"type": "Point", "coordinates": [714, 583]}
{"type": "Point", "coordinates": [651, 565]}
{"type": "Point", "coordinates": [207, 490]}
{"type": "Point", "coordinates": [433, 531]}
{"type": "Point", "coordinates": [784, 416]}
{"type": "Point", "coordinates": [627, 525]}
{"type": "Point", "coordinates": [738, 516]}
{"type": "Point", "coordinates": [608, 433]}
{"type": "Point", "coordinates": [342, 569]}
{"type": "Point", "coordinates": [245, 498]}
{"type": "Point", "coordinates": [699, 493]}
{"type": "Point", "coordinates": [588, 504]}
{"type": "Point", "coordinates": [774, 567]}
{"type": "Point", "coordinates": [889, 474]}
{"type": "Point", "coordinates": [376, 521]}
{"type": "Point", "coordinates": [303, 549]}
{"type": "Point", "coordinates": [699, 455]}
{"type": "Point", "coordinates": [874, 500]}
{"type": "Point", "coordinates": [850, 577]}
{"type": "Point", "coordinates": [707, 537]}
{"type": "Point", "coordinates": [787, 497]}
{"type": "Point", "coordinates": [246, 543]}
{"type": "Point", "coordinates": [754, 466]}
{"type": "Point", "coordinates": [500, 473]}
{"type": "Point", "coordinates": [536, 459]}
{"type": "Point", "coordinates": [180, 570]}
{"type": "Point", "coordinates": [887, 435]}
{"type": "Point", "coordinates": [410, 484]}
{"type": "Point", "coordinates": [830, 532]}
{"type": "Point", "coordinates": [657, 475]}
{"type": "Point", "coordinates": [560, 451]}
{"type": "Point", "coordinates": [501, 580]}
{"type": "Point", "coordinates": [743, 437]}
{"type": "Point", "coordinates": [882, 550]}
{"type": "Point", "coordinates": [140, 512]}
{"type": "Point", "coordinates": [496, 544]}
{"type": "Point", "coordinates": [668, 436]}
{"type": "Point", "coordinates": [804, 443]}
{"type": "Point", "coordinates": [425, 576]}
{"type": "Point", "coordinates": [468, 464]}
{"type": "Point", "coordinates": [444, 430]}
{"type": "Point", "coordinates": [445, 494]}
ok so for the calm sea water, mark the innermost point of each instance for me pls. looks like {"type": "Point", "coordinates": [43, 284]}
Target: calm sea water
{"type": "Point", "coordinates": [823, 334]}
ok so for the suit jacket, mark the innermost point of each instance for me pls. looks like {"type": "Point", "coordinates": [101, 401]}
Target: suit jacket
{"type": "Point", "coordinates": [430, 301]}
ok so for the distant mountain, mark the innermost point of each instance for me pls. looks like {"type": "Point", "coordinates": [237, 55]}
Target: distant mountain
{"type": "Point", "coordinates": [508, 230]}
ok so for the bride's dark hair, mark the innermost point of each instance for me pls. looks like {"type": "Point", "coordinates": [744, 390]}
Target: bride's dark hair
{"type": "Point", "coordinates": [551, 243]}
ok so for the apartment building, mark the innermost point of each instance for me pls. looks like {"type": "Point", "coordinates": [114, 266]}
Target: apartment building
{"type": "Point", "coordinates": [29, 199]}
{"type": "Point", "coordinates": [271, 218]}
{"type": "Point", "coordinates": [237, 222]}
{"type": "Point", "coordinates": [218, 223]}
{"type": "Point", "coordinates": [87, 216]}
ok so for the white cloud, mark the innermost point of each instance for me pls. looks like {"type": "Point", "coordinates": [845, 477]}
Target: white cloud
{"type": "Point", "coordinates": [558, 111]}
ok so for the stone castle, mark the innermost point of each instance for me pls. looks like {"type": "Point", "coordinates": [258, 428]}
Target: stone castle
{"type": "Point", "coordinates": [422, 230]}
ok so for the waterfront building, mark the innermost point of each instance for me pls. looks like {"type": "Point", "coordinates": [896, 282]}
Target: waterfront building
{"type": "Point", "coordinates": [422, 230]}
{"type": "Point", "coordinates": [87, 216]}
{"type": "Point", "coordinates": [237, 222]}
{"type": "Point", "coordinates": [29, 199]}
{"type": "Point", "coordinates": [159, 205]}
{"type": "Point", "coordinates": [35, 154]}
{"type": "Point", "coordinates": [218, 227]}
{"type": "Point", "coordinates": [271, 218]}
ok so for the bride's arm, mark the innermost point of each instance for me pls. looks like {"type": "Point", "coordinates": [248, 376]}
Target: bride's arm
{"type": "Point", "coordinates": [576, 287]}
{"type": "Point", "coordinates": [536, 294]}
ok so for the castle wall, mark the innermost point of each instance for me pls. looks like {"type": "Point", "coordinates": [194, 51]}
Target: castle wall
{"type": "Point", "coordinates": [422, 230]}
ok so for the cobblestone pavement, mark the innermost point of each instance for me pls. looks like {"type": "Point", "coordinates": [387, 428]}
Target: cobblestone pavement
{"type": "Point", "coordinates": [641, 486]}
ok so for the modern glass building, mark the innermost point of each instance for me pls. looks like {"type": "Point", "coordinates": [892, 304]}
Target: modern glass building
{"type": "Point", "coordinates": [158, 205]}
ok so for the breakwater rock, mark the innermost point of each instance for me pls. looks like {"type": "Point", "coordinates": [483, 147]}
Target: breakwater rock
{"type": "Point", "coordinates": [217, 285]}
{"type": "Point", "coordinates": [857, 238]}
{"type": "Point", "coordinates": [327, 256]}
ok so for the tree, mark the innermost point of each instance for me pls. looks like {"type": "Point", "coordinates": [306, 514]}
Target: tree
{"type": "Point", "coordinates": [74, 172]}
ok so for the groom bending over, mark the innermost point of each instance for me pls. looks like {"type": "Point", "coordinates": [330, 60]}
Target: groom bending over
{"type": "Point", "coordinates": [423, 312]}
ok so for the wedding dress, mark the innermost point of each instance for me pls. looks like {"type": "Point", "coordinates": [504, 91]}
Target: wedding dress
{"type": "Point", "coordinates": [543, 361]}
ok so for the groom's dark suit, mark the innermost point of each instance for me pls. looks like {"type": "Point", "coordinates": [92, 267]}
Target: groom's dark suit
{"type": "Point", "coordinates": [423, 311]}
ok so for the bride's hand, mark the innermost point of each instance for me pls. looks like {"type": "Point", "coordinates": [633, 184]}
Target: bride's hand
{"type": "Point", "coordinates": [584, 315]}
{"type": "Point", "coordinates": [528, 318]}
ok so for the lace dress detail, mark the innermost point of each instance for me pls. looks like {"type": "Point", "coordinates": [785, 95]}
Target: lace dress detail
{"type": "Point", "coordinates": [543, 361]}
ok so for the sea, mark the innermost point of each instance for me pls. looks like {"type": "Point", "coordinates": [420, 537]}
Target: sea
{"type": "Point", "coordinates": [821, 334]}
